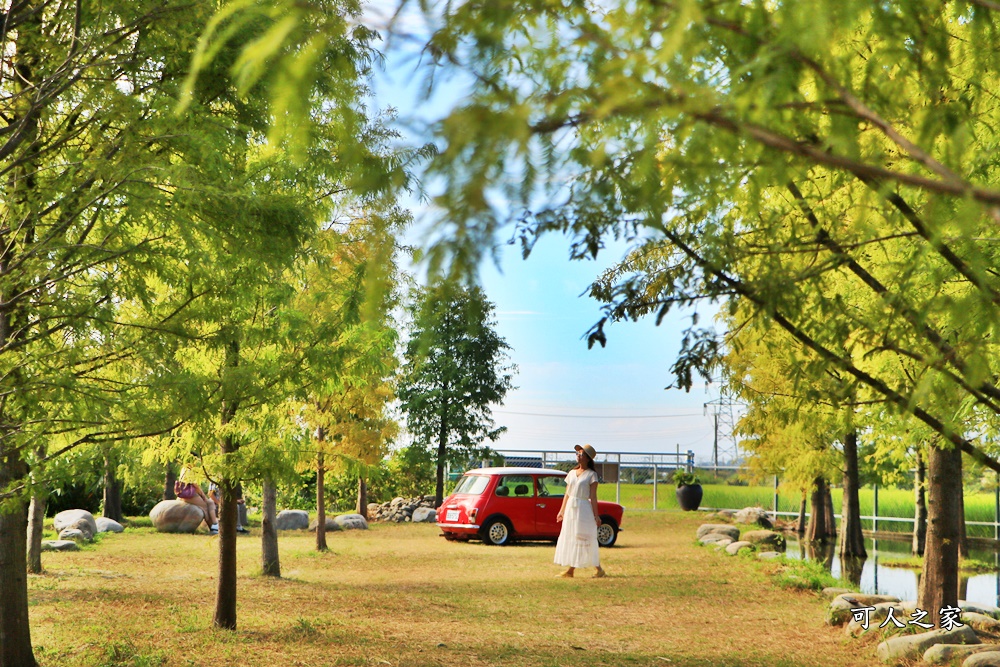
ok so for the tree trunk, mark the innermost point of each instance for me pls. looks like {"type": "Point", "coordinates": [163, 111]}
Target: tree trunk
{"type": "Point", "coordinates": [270, 565]}
{"type": "Point", "coordinates": [320, 501]}
{"type": "Point", "coordinates": [920, 507]}
{"type": "Point", "coordinates": [112, 491]}
{"type": "Point", "coordinates": [15, 632]}
{"type": "Point", "coordinates": [963, 540]}
{"type": "Point", "coordinates": [831, 517]}
{"type": "Point", "coordinates": [800, 527]}
{"type": "Point", "coordinates": [441, 455]}
{"type": "Point", "coordinates": [817, 506]}
{"type": "Point", "coordinates": [168, 483]}
{"type": "Point", "coordinates": [362, 507]}
{"type": "Point", "coordinates": [36, 526]}
{"type": "Point", "coordinates": [852, 540]}
{"type": "Point", "coordinates": [939, 579]}
{"type": "Point", "coordinates": [225, 598]}
{"type": "Point", "coordinates": [225, 601]}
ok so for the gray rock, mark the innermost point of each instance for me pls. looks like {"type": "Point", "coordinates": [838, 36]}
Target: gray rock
{"type": "Point", "coordinates": [292, 520]}
{"type": "Point", "coordinates": [831, 592]}
{"type": "Point", "coordinates": [725, 515]}
{"type": "Point", "coordinates": [176, 516]}
{"type": "Point", "coordinates": [732, 532]}
{"type": "Point", "coordinates": [980, 622]}
{"type": "Point", "coordinates": [984, 659]}
{"type": "Point", "coordinates": [81, 520]}
{"type": "Point", "coordinates": [753, 515]}
{"type": "Point", "coordinates": [946, 654]}
{"type": "Point", "coordinates": [839, 611]}
{"type": "Point", "coordinates": [331, 525]}
{"type": "Point", "coordinates": [769, 555]}
{"type": "Point", "coordinates": [713, 538]}
{"type": "Point", "coordinates": [59, 545]}
{"type": "Point", "coordinates": [722, 544]}
{"type": "Point", "coordinates": [734, 548]}
{"type": "Point", "coordinates": [73, 534]}
{"type": "Point", "coordinates": [979, 608]}
{"type": "Point", "coordinates": [766, 538]}
{"type": "Point", "coordinates": [901, 612]}
{"type": "Point", "coordinates": [424, 515]}
{"type": "Point", "coordinates": [908, 647]}
{"type": "Point", "coordinates": [397, 501]}
{"type": "Point", "coordinates": [106, 525]}
{"type": "Point", "coordinates": [352, 522]}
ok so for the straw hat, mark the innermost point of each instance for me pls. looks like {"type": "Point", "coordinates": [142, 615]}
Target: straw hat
{"type": "Point", "coordinates": [588, 450]}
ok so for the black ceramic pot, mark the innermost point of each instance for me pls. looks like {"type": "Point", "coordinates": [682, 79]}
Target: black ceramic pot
{"type": "Point", "coordinates": [689, 496]}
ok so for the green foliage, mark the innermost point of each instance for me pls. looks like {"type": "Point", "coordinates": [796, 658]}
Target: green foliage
{"type": "Point", "coordinates": [805, 575]}
{"type": "Point", "coordinates": [456, 369]}
{"type": "Point", "coordinates": [684, 478]}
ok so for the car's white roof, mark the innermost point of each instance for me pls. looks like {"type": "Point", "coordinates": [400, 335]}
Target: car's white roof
{"type": "Point", "coordinates": [514, 471]}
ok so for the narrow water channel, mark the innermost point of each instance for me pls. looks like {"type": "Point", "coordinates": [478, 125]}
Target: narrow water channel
{"type": "Point", "coordinates": [872, 576]}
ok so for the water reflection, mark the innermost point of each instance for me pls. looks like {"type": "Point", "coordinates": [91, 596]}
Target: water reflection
{"type": "Point", "coordinates": [871, 576]}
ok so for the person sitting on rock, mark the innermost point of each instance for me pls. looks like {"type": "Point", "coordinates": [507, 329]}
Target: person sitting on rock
{"type": "Point", "coordinates": [216, 499]}
{"type": "Point", "coordinates": [193, 495]}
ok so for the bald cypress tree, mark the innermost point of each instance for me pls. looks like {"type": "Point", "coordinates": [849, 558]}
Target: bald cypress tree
{"type": "Point", "coordinates": [456, 368]}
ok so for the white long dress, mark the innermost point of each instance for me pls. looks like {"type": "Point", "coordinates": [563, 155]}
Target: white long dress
{"type": "Point", "coordinates": [577, 545]}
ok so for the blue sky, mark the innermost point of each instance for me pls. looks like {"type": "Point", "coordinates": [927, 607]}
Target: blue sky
{"type": "Point", "coordinates": [615, 397]}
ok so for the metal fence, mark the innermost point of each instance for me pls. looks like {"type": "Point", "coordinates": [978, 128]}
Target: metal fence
{"type": "Point", "coordinates": [638, 480]}
{"type": "Point", "coordinates": [650, 471]}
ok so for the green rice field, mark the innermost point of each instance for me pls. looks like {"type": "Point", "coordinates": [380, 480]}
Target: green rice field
{"type": "Point", "coordinates": [891, 502]}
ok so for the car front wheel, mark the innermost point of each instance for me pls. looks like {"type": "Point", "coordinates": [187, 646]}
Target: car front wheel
{"type": "Point", "coordinates": [498, 532]}
{"type": "Point", "coordinates": [607, 532]}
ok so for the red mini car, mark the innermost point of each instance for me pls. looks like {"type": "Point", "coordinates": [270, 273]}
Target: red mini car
{"type": "Point", "coordinates": [500, 505]}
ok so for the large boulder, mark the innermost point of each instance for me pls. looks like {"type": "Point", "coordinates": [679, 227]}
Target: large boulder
{"type": "Point", "coordinates": [979, 608]}
{"type": "Point", "coordinates": [81, 520]}
{"type": "Point", "coordinates": [292, 520]}
{"type": "Point", "coordinates": [950, 654]}
{"type": "Point", "coordinates": [984, 659]}
{"type": "Point", "coordinates": [831, 592]}
{"type": "Point", "coordinates": [106, 525]}
{"type": "Point", "coordinates": [980, 622]}
{"type": "Point", "coordinates": [840, 608]}
{"type": "Point", "coordinates": [753, 515]}
{"type": "Point", "coordinates": [425, 515]}
{"type": "Point", "coordinates": [766, 538]}
{"type": "Point", "coordinates": [734, 547]}
{"type": "Point", "coordinates": [74, 535]}
{"type": "Point", "coordinates": [176, 516]}
{"type": "Point", "coordinates": [331, 525]}
{"type": "Point", "coordinates": [59, 545]}
{"type": "Point", "coordinates": [901, 611]}
{"type": "Point", "coordinates": [732, 532]}
{"type": "Point", "coordinates": [352, 522]}
{"type": "Point", "coordinates": [909, 647]}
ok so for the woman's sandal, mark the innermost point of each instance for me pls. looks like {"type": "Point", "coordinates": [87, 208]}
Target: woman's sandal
{"type": "Point", "coordinates": [600, 573]}
{"type": "Point", "coordinates": [568, 574]}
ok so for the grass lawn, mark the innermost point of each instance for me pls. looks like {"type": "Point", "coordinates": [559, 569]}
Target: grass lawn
{"type": "Point", "coordinates": [399, 595]}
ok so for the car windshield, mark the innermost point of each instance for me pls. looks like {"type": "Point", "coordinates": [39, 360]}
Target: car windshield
{"type": "Point", "coordinates": [472, 485]}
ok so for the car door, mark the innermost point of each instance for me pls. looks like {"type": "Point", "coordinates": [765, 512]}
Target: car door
{"type": "Point", "coordinates": [551, 489]}
{"type": "Point", "coordinates": [514, 497]}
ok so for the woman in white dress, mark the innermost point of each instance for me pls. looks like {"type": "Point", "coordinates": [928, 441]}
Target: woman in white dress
{"type": "Point", "coordinates": [577, 545]}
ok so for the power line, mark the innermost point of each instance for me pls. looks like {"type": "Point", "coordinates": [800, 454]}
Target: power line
{"type": "Point", "coordinates": [539, 414]}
